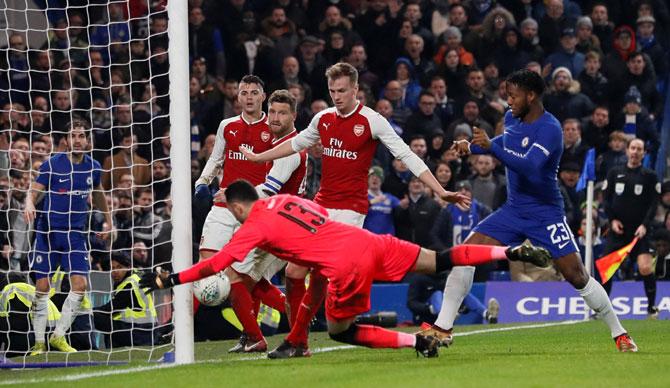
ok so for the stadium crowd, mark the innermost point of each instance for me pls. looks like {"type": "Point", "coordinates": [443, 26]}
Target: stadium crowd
{"type": "Point", "coordinates": [440, 71]}
{"type": "Point", "coordinates": [434, 69]}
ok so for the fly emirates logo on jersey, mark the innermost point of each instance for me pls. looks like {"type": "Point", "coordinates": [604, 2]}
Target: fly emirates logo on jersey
{"type": "Point", "coordinates": [335, 150]}
{"type": "Point", "coordinates": [237, 155]}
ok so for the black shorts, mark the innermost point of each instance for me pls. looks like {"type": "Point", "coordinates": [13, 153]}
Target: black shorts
{"type": "Point", "coordinates": [617, 241]}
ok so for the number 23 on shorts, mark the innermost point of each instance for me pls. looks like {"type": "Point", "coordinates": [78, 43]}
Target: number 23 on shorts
{"type": "Point", "coordinates": [560, 234]}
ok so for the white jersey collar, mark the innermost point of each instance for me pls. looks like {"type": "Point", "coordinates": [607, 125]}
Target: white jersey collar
{"type": "Point", "coordinates": [255, 122]}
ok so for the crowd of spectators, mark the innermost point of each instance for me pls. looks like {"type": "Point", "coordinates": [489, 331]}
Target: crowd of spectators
{"type": "Point", "coordinates": [432, 68]}
{"type": "Point", "coordinates": [106, 63]}
{"type": "Point", "coordinates": [435, 69]}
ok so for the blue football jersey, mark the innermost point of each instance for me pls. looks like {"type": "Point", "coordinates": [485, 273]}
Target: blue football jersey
{"type": "Point", "coordinates": [531, 154]}
{"type": "Point", "coordinates": [68, 186]}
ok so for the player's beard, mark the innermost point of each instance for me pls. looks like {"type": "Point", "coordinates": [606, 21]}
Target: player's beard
{"type": "Point", "coordinates": [521, 113]}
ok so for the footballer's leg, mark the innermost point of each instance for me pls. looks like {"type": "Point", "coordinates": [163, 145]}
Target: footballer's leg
{"type": "Point", "coordinates": [252, 339]}
{"type": "Point", "coordinates": [311, 301]}
{"type": "Point", "coordinates": [40, 265]}
{"type": "Point", "coordinates": [456, 288]}
{"type": "Point", "coordinates": [295, 289]}
{"type": "Point", "coordinates": [346, 331]}
{"type": "Point", "coordinates": [596, 298]}
{"type": "Point", "coordinates": [645, 265]}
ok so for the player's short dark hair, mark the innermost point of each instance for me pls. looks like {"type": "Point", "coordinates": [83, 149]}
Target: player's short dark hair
{"type": "Point", "coordinates": [253, 79]}
{"type": "Point", "coordinates": [241, 191]}
{"type": "Point", "coordinates": [527, 80]}
{"type": "Point", "coordinates": [79, 123]}
{"type": "Point", "coordinates": [283, 96]}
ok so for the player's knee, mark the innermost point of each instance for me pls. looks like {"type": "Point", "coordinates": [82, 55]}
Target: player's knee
{"type": "Point", "coordinates": [42, 286]}
{"type": "Point", "coordinates": [645, 269]}
{"type": "Point", "coordinates": [232, 275]}
{"type": "Point", "coordinates": [296, 271]}
{"type": "Point", "coordinates": [644, 263]}
{"type": "Point", "coordinates": [348, 336]}
{"type": "Point", "coordinates": [578, 279]}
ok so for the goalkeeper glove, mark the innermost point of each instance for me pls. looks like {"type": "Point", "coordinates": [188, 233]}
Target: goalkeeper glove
{"type": "Point", "coordinates": [202, 192]}
{"type": "Point", "coordinates": [159, 279]}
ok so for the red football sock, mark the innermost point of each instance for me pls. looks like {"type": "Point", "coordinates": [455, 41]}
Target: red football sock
{"type": "Point", "coordinates": [269, 295]}
{"type": "Point", "coordinates": [240, 299]}
{"type": "Point", "coordinates": [256, 303]}
{"type": "Point", "coordinates": [295, 290]}
{"type": "Point", "coordinates": [470, 254]}
{"type": "Point", "coordinates": [378, 337]}
{"type": "Point", "coordinates": [311, 302]}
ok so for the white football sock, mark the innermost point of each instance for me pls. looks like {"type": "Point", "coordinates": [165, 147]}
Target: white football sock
{"type": "Point", "coordinates": [70, 309]}
{"type": "Point", "coordinates": [457, 287]}
{"type": "Point", "coordinates": [596, 298]}
{"type": "Point", "coordinates": [40, 315]}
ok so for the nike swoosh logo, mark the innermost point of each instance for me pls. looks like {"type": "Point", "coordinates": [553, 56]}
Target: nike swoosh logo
{"type": "Point", "coordinates": [253, 346]}
{"type": "Point", "coordinates": [63, 180]}
{"type": "Point", "coordinates": [561, 246]}
{"type": "Point", "coordinates": [620, 175]}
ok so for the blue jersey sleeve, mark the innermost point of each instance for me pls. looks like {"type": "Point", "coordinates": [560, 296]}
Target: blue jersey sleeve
{"type": "Point", "coordinates": [44, 173]}
{"type": "Point", "coordinates": [477, 150]}
{"type": "Point", "coordinates": [532, 161]}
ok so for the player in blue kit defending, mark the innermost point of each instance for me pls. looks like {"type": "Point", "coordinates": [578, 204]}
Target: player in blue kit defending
{"type": "Point", "coordinates": [530, 148]}
{"type": "Point", "coordinates": [64, 184]}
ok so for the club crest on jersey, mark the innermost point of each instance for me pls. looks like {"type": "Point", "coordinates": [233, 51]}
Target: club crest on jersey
{"type": "Point", "coordinates": [359, 129]}
{"type": "Point", "coordinates": [265, 136]}
{"type": "Point", "coordinates": [637, 189]}
{"type": "Point", "coordinates": [524, 142]}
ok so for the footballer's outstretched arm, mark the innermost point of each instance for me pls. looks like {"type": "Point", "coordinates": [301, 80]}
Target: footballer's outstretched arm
{"type": "Point", "coordinates": [527, 164]}
{"type": "Point", "coordinates": [250, 235]}
{"type": "Point", "coordinates": [280, 173]}
{"type": "Point", "coordinates": [307, 138]}
{"type": "Point", "coordinates": [382, 130]}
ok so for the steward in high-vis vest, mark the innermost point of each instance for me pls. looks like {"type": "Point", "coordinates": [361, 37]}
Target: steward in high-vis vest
{"type": "Point", "coordinates": [16, 300]}
{"type": "Point", "coordinates": [129, 318]}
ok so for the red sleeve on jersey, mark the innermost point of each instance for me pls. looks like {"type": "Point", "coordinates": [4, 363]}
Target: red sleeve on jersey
{"type": "Point", "coordinates": [244, 240]}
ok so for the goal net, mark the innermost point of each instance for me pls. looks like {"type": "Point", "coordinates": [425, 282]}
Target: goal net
{"type": "Point", "coordinates": [106, 64]}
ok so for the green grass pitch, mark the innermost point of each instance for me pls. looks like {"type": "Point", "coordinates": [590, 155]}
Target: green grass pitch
{"type": "Point", "coordinates": [573, 355]}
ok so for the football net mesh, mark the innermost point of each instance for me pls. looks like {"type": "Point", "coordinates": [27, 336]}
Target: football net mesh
{"type": "Point", "coordinates": [105, 64]}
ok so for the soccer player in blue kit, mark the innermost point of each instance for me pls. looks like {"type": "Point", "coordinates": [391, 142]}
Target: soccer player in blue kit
{"type": "Point", "coordinates": [530, 148]}
{"type": "Point", "coordinates": [65, 182]}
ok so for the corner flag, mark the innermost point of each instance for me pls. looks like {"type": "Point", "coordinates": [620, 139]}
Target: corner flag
{"type": "Point", "coordinates": [607, 265]}
{"type": "Point", "coordinates": [589, 170]}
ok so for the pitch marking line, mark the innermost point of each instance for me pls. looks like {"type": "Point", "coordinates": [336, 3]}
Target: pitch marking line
{"type": "Point", "coordinates": [112, 372]}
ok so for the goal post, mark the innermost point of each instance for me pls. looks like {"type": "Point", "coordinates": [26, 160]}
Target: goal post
{"type": "Point", "coordinates": [181, 177]}
{"type": "Point", "coordinates": [121, 67]}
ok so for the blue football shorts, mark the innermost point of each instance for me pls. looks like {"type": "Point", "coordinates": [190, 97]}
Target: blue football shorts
{"type": "Point", "coordinates": [544, 229]}
{"type": "Point", "coordinates": [67, 249]}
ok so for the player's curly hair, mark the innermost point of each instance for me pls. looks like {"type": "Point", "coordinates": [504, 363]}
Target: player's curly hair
{"type": "Point", "coordinates": [527, 80]}
{"type": "Point", "coordinates": [241, 191]}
